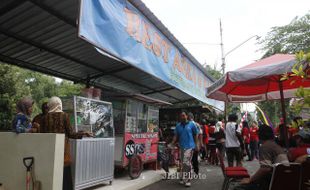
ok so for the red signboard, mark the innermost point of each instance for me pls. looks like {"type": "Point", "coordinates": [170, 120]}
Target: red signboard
{"type": "Point", "coordinates": [142, 144]}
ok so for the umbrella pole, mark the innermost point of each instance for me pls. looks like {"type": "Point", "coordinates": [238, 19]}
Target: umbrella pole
{"type": "Point", "coordinates": [283, 114]}
{"type": "Point", "coordinates": [225, 113]}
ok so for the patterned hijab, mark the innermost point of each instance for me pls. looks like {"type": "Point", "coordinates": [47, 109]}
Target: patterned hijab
{"type": "Point", "coordinates": [23, 105]}
{"type": "Point", "coordinates": [54, 104]}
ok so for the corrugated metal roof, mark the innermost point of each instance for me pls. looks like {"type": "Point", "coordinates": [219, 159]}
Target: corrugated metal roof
{"type": "Point", "coordinates": [41, 35]}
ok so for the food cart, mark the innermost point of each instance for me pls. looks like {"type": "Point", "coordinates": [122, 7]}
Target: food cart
{"type": "Point", "coordinates": [136, 120]}
{"type": "Point", "coordinates": [92, 158]}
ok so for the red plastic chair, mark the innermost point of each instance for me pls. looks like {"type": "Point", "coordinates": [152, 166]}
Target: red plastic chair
{"type": "Point", "coordinates": [305, 175]}
{"type": "Point", "coordinates": [231, 173]}
{"type": "Point", "coordinates": [286, 177]}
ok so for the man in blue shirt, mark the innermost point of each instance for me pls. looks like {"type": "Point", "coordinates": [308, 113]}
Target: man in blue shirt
{"type": "Point", "coordinates": [186, 133]}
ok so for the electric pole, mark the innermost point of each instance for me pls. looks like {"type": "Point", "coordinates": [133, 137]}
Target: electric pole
{"type": "Point", "coordinates": [222, 48]}
{"type": "Point", "coordinates": [223, 68]}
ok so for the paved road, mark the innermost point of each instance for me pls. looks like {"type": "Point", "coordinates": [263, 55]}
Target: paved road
{"type": "Point", "coordinates": [213, 181]}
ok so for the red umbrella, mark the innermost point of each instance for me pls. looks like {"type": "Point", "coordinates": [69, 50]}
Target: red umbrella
{"type": "Point", "coordinates": [259, 81]}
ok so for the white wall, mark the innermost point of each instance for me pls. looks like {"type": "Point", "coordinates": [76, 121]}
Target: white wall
{"type": "Point", "coordinates": [48, 152]}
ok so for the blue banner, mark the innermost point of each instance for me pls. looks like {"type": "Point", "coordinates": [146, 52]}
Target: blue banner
{"type": "Point", "coordinates": [118, 28]}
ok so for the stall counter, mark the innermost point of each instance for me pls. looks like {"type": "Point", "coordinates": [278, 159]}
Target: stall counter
{"type": "Point", "coordinates": [47, 150]}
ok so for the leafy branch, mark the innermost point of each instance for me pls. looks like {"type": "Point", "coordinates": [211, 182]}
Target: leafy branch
{"type": "Point", "coordinates": [300, 70]}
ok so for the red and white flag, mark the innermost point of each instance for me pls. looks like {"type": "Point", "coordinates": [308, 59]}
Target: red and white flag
{"type": "Point", "coordinates": [244, 118]}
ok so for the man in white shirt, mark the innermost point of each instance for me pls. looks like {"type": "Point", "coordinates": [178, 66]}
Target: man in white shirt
{"type": "Point", "coordinates": [233, 150]}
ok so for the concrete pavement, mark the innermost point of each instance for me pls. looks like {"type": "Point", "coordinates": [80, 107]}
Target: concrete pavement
{"type": "Point", "coordinates": [153, 180]}
{"type": "Point", "coordinates": [123, 182]}
{"type": "Point", "coordinates": [213, 181]}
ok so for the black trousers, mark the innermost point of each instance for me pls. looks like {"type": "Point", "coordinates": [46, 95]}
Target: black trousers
{"type": "Point", "coordinates": [221, 148]}
{"type": "Point", "coordinates": [67, 179]}
{"type": "Point", "coordinates": [246, 146]}
{"type": "Point", "coordinates": [195, 162]}
{"type": "Point", "coordinates": [233, 153]}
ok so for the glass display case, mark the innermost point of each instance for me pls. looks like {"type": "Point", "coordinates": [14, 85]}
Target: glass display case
{"type": "Point", "coordinates": [119, 115]}
{"type": "Point", "coordinates": [153, 119]}
{"type": "Point", "coordinates": [90, 115]}
{"type": "Point", "coordinates": [92, 158]}
{"type": "Point", "coordinates": [132, 116]}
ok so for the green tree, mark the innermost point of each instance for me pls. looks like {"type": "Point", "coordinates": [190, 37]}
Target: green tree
{"type": "Point", "coordinates": [216, 74]}
{"type": "Point", "coordinates": [42, 87]}
{"type": "Point", "coordinates": [301, 70]}
{"type": "Point", "coordinates": [234, 108]}
{"type": "Point", "coordinates": [290, 38]}
{"type": "Point", "coordinates": [11, 89]}
{"type": "Point", "coordinates": [16, 83]}
{"type": "Point", "coordinates": [67, 88]}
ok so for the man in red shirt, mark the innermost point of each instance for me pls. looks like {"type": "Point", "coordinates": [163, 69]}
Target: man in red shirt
{"type": "Point", "coordinates": [254, 140]}
{"type": "Point", "coordinates": [295, 154]}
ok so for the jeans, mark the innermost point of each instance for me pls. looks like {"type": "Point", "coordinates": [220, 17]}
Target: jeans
{"type": "Point", "coordinates": [254, 149]}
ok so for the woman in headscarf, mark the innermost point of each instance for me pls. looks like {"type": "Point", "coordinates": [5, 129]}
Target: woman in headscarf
{"type": "Point", "coordinates": [57, 121]}
{"type": "Point", "coordinates": [22, 120]}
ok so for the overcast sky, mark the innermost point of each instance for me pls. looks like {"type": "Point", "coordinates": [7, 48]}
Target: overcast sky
{"type": "Point", "coordinates": [197, 21]}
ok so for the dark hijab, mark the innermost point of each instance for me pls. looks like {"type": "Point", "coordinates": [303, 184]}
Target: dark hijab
{"type": "Point", "coordinates": [245, 124]}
